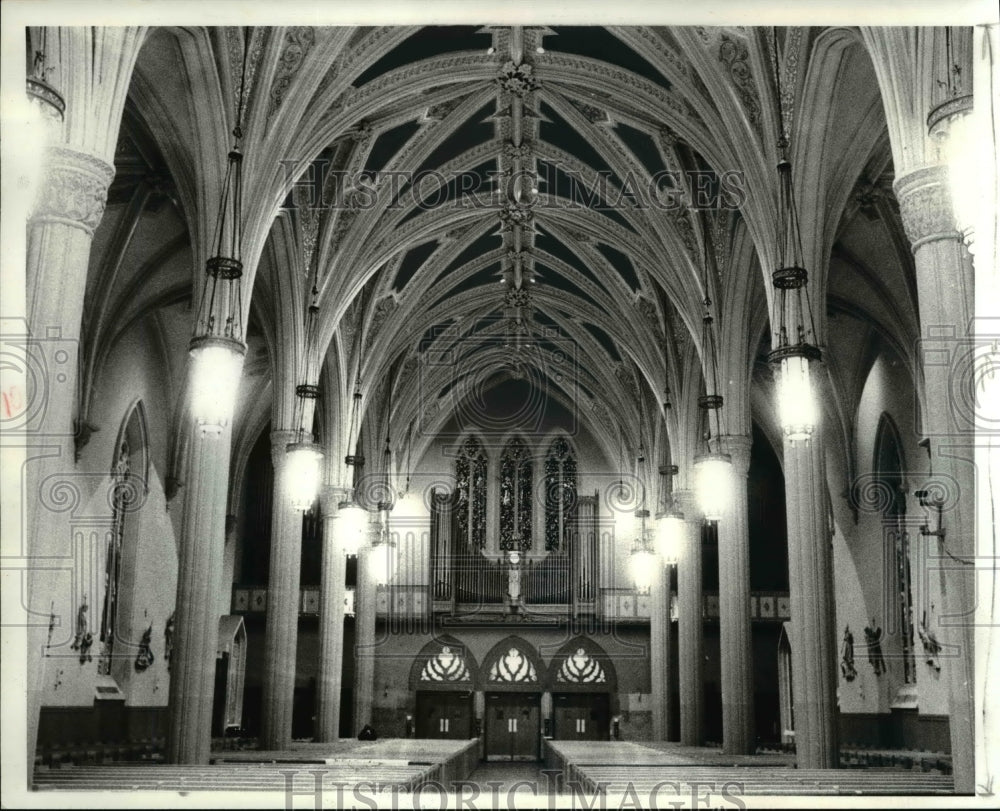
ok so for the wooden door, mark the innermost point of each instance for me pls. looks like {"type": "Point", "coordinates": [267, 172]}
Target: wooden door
{"type": "Point", "coordinates": [581, 716]}
{"type": "Point", "coordinates": [513, 730]}
{"type": "Point", "coordinates": [444, 714]}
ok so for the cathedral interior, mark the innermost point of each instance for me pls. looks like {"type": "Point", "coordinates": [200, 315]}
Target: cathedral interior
{"type": "Point", "coordinates": [527, 390]}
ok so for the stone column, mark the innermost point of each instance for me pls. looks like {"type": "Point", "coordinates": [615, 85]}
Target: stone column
{"type": "Point", "coordinates": [59, 235]}
{"type": "Point", "coordinates": [199, 578]}
{"type": "Point", "coordinates": [734, 609]}
{"type": "Point", "coordinates": [690, 622]}
{"type": "Point", "coordinates": [331, 621]}
{"type": "Point", "coordinates": [810, 575]}
{"type": "Point", "coordinates": [364, 640]}
{"type": "Point", "coordinates": [659, 650]}
{"type": "Point", "coordinates": [281, 632]}
{"type": "Point", "coordinates": [945, 295]}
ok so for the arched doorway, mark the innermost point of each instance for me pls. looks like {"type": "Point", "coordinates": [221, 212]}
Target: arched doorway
{"type": "Point", "coordinates": [443, 678]}
{"type": "Point", "coordinates": [513, 698]}
{"type": "Point", "coordinates": [583, 680]}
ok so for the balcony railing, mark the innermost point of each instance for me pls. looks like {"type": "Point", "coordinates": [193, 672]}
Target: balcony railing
{"type": "Point", "coordinates": [546, 585]}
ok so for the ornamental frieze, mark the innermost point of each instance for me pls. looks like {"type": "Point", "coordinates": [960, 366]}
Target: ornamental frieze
{"type": "Point", "coordinates": [298, 41]}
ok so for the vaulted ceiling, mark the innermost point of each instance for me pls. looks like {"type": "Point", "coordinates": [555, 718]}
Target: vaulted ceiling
{"type": "Point", "coordinates": [554, 203]}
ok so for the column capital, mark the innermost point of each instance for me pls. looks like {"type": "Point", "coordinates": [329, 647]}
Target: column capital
{"type": "Point", "coordinates": [925, 205]}
{"type": "Point", "coordinates": [279, 442]}
{"type": "Point", "coordinates": [74, 190]}
{"type": "Point", "coordinates": [331, 495]}
{"type": "Point", "coordinates": [738, 448]}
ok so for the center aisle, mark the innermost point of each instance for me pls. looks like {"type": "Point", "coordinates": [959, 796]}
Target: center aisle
{"type": "Point", "coordinates": [520, 781]}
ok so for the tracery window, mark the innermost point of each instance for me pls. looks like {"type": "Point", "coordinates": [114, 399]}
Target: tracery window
{"type": "Point", "coordinates": [513, 666]}
{"type": "Point", "coordinates": [581, 668]}
{"type": "Point", "coordinates": [446, 666]}
{"type": "Point", "coordinates": [515, 496]}
{"type": "Point", "coordinates": [470, 494]}
{"type": "Point", "coordinates": [560, 492]}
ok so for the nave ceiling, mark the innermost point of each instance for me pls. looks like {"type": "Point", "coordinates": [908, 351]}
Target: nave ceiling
{"type": "Point", "coordinates": [621, 279]}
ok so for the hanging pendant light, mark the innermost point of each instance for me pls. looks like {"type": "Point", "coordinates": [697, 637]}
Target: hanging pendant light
{"type": "Point", "coordinates": [642, 562]}
{"type": "Point", "coordinates": [217, 349]}
{"type": "Point", "coordinates": [713, 469]}
{"type": "Point", "coordinates": [43, 114]}
{"type": "Point", "coordinates": [793, 353]}
{"type": "Point", "coordinates": [304, 456]}
{"type": "Point", "coordinates": [669, 524]}
{"type": "Point", "coordinates": [381, 560]}
{"type": "Point", "coordinates": [381, 556]}
{"type": "Point", "coordinates": [352, 527]}
{"type": "Point", "coordinates": [952, 124]}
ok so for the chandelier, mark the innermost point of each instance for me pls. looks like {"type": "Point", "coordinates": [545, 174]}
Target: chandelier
{"type": "Point", "coordinates": [793, 353]}
{"type": "Point", "coordinates": [217, 349]}
{"type": "Point", "coordinates": [352, 526]}
{"type": "Point", "coordinates": [713, 468]}
{"type": "Point", "coordinates": [304, 456]}
{"type": "Point", "coordinates": [642, 562]}
{"type": "Point", "coordinates": [670, 524]}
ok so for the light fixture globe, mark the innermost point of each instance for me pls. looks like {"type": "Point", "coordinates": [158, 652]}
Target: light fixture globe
{"type": "Point", "coordinates": [352, 527]}
{"type": "Point", "coordinates": [797, 411]}
{"type": "Point", "coordinates": [41, 114]}
{"type": "Point", "coordinates": [670, 537]}
{"type": "Point", "coordinates": [714, 484]}
{"type": "Point", "coordinates": [304, 470]}
{"type": "Point", "coordinates": [217, 364]}
{"type": "Point", "coordinates": [381, 558]}
{"type": "Point", "coordinates": [642, 565]}
{"type": "Point", "coordinates": [952, 125]}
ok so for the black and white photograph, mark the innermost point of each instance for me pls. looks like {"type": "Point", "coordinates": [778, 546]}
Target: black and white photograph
{"type": "Point", "coordinates": [495, 405]}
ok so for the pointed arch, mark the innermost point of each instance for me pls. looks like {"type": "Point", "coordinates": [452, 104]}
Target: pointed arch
{"type": "Point", "coordinates": [444, 663]}
{"type": "Point", "coordinates": [514, 665]}
{"type": "Point", "coordinates": [889, 466]}
{"type": "Point", "coordinates": [129, 487]}
{"type": "Point", "coordinates": [581, 665]}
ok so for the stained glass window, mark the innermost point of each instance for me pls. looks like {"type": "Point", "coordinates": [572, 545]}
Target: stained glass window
{"type": "Point", "coordinates": [515, 496]}
{"type": "Point", "coordinates": [447, 666]}
{"type": "Point", "coordinates": [560, 492]}
{"type": "Point", "coordinates": [513, 666]}
{"type": "Point", "coordinates": [581, 668]}
{"type": "Point", "coordinates": [470, 494]}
